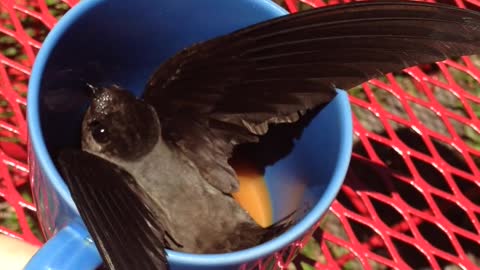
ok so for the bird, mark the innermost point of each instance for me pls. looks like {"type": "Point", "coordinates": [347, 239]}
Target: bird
{"type": "Point", "coordinates": [154, 173]}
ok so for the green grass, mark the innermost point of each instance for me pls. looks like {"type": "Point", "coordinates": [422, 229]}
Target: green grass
{"type": "Point", "coordinates": [9, 220]}
{"type": "Point", "coordinates": [330, 224]}
{"type": "Point", "coordinates": [471, 137]}
{"type": "Point", "coordinates": [13, 50]}
{"type": "Point", "coordinates": [57, 8]}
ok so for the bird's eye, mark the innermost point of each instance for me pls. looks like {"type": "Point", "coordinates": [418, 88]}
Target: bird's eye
{"type": "Point", "coordinates": [99, 132]}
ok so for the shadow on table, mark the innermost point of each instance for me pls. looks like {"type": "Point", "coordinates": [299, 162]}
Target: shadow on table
{"type": "Point", "coordinates": [413, 208]}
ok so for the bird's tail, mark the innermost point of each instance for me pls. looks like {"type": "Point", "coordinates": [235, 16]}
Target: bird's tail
{"type": "Point", "coordinates": [278, 227]}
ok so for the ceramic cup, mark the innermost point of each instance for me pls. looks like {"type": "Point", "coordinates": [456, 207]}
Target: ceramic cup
{"type": "Point", "coordinates": [123, 41]}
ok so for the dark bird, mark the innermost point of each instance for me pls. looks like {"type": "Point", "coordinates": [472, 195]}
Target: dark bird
{"type": "Point", "coordinates": [154, 172]}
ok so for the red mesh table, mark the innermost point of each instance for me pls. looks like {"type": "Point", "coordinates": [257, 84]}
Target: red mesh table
{"type": "Point", "coordinates": [412, 195]}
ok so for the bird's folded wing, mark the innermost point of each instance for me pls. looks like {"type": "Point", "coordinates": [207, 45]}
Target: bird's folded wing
{"type": "Point", "coordinates": [226, 91]}
{"type": "Point", "coordinates": [117, 213]}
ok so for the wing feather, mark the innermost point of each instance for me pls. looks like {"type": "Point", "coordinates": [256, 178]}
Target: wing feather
{"type": "Point", "coordinates": [275, 71]}
{"type": "Point", "coordinates": [120, 217]}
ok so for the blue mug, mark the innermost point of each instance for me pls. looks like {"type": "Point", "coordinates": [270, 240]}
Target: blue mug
{"type": "Point", "coordinates": [123, 41]}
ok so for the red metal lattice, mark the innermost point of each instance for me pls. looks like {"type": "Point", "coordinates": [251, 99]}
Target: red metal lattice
{"type": "Point", "coordinates": [412, 195]}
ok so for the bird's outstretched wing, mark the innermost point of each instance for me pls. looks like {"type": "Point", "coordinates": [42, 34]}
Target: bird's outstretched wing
{"type": "Point", "coordinates": [226, 91]}
{"type": "Point", "coordinates": [117, 213]}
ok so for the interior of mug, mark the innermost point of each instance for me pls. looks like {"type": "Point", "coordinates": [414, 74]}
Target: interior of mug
{"type": "Point", "coordinates": [123, 42]}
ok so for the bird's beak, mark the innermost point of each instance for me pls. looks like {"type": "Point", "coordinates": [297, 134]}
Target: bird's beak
{"type": "Point", "coordinates": [93, 91]}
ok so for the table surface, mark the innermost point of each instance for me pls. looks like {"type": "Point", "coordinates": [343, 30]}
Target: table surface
{"type": "Point", "coordinates": [411, 198]}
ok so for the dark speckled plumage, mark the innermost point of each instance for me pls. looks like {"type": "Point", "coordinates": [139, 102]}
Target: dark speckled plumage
{"type": "Point", "coordinates": [155, 173]}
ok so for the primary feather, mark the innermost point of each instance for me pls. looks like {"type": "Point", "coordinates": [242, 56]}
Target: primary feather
{"type": "Point", "coordinates": [119, 215]}
{"type": "Point", "coordinates": [227, 91]}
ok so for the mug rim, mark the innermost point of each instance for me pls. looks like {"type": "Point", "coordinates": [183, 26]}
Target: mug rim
{"type": "Point", "coordinates": [43, 158]}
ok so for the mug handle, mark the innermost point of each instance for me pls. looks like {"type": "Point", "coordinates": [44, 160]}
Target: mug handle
{"type": "Point", "coordinates": [70, 249]}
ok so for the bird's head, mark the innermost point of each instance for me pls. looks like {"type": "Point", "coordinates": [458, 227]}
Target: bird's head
{"type": "Point", "coordinates": [118, 125]}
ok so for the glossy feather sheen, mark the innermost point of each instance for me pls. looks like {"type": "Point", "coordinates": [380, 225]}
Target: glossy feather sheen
{"type": "Point", "coordinates": [119, 215]}
{"type": "Point", "coordinates": [268, 72]}
{"type": "Point", "coordinates": [253, 89]}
